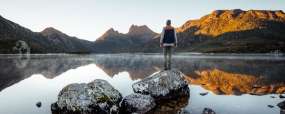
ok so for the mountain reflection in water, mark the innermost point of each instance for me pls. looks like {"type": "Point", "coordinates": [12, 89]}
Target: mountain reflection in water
{"type": "Point", "coordinates": [231, 75]}
{"type": "Point", "coordinates": [222, 76]}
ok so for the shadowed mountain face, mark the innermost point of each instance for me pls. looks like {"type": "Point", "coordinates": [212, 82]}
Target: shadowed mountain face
{"type": "Point", "coordinates": [11, 32]}
{"type": "Point", "coordinates": [113, 41]}
{"type": "Point", "coordinates": [67, 43]}
{"type": "Point", "coordinates": [49, 40]}
{"type": "Point", "coordinates": [141, 33]}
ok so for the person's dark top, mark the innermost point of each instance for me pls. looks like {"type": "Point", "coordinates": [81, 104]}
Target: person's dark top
{"type": "Point", "coordinates": [168, 36]}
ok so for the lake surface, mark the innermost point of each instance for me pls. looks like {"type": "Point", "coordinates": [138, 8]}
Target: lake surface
{"type": "Point", "coordinates": [230, 80]}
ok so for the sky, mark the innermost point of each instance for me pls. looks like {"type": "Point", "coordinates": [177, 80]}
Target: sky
{"type": "Point", "coordinates": [89, 19]}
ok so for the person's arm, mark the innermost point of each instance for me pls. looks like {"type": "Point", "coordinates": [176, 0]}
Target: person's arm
{"type": "Point", "coordinates": [161, 37]}
{"type": "Point", "coordinates": [175, 35]}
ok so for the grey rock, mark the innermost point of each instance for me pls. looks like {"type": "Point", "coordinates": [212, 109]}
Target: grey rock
{"type": "Point", "coordinates": [96, 97]}
{"type": "Point", "coordinates": [282, 111]}
{"type": "Point", "coordinates": [137, 103]}
{"type": "Point", "coordinates": [39, 104]}
{"type": "Point", "coordinates": [281, 96]}
{"type": "Point", "coordinates": [270, 106]}
{"type": "Point", "coordinates": [281, 105]}
{"type": "Point", "coordinates": [208, 111]}
{"type": "Point", "coordinates": [54, 107]}
{"type": "Point", "coordinates": [163, 85]}
{"type": "Point", "coordinates": [22, 47]}
{"type": "Point", "coordinates": [114, 109]}
{"type": "Point", "coordinates": [203, 94]}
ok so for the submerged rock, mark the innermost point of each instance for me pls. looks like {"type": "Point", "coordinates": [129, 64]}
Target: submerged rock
{"type": "Point", "coordinates": [208, 111]}
{"type": "Point", "coordinates": [167, 84]}
{"type": "Point", "coordinates": [270, 106]}
{"type": "Point", "coordinates": [281, 96]}
{"type": "Point", "coordinates": [95, 97]}
{"type": "Point", "coordinates": [39, 104]}
{"type": "Point", "coordinates": [203, 94]}
{"type": "Point", "coordinates": [173, 106]}
{"type": "Point", "coordinates": [137, 103]}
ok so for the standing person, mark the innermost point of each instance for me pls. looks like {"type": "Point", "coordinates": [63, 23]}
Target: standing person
{"type": "Point", "coordinates": [168, 40]}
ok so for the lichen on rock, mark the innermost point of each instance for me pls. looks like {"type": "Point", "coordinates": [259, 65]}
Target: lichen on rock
{"type": "Point", "coordinates": [162, 85]}
{"type": "Point", "coordinates": [137, 103]}
{"type": "Point", "coordinates": [95, 97]}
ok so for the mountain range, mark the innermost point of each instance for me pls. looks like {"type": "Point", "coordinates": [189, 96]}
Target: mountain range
{"type": "Point", "coordinates": [113, 41]}
{"type": "Point", "coordinates": [225, 31]}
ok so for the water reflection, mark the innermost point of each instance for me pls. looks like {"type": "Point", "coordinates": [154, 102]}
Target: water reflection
{"type": "Point", "coordinates": [23, 95]}
{"type": "Point", "coordinates": [43, 76]}
{"type": "Point", "coordinates": [14, 68]}
{"type": "Point", "coordinates": [174, 106]}
{"type": "Point", "coordinates": [222, 76]}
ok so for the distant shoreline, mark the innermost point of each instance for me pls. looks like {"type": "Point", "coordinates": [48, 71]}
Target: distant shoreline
{"type": "Point", "coordinates": [178, 54]}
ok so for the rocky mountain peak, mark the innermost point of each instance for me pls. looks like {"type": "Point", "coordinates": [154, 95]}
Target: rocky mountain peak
{"type": "Point", "coordinates": [233, 13]}
{"type": "Point", "coordinates": [232, 21]}
{"type": "Point", "coordinates": [136, 30]}
{"type": "Point", "coordinates": [110, 33]}
{"type": "Point", "coordinates": [51, 31]}
{"type": "Point", "coordinates": [220, 12]}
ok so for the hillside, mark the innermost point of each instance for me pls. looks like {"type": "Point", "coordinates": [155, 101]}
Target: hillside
{"type": "Point", "coordinates": [235, 31]}
{"type": "Point", "coordinates": [49, 40]}
{"type": "Point", "coordinates": [67, 43]}
{"type": "Point", "coordinates": [11, 32]}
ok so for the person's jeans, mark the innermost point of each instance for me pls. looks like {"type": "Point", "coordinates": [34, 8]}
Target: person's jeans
{"type": "Point", "coordinates": [167, 50]}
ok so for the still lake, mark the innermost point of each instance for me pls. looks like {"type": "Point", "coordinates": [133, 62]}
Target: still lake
{"type": "Point", "coordinates": [229, 79]}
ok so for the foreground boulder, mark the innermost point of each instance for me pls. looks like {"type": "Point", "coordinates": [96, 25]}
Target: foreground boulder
{"type": "Point", "coordinates": [168, 84]}
{"type": "Point", "coordinates": [137, 103]}
{"type": "Point", "coordinates": [95, 97]}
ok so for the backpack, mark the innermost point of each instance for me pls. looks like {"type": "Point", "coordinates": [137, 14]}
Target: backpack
{"type": "Point", "coordinates": [169, 35]}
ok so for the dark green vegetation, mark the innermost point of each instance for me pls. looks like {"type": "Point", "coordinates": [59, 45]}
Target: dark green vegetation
{"type": "Point", "coordinates": [47, 41]}
{"type": "Point", "coordinates": [233, 31]}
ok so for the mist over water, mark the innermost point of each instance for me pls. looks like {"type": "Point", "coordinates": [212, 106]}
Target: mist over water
{"type": "Point", "coordinates": [25, 81]}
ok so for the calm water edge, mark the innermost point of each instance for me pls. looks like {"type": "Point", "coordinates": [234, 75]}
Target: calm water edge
{"type": "Point", "coordinates": [228, 78]}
